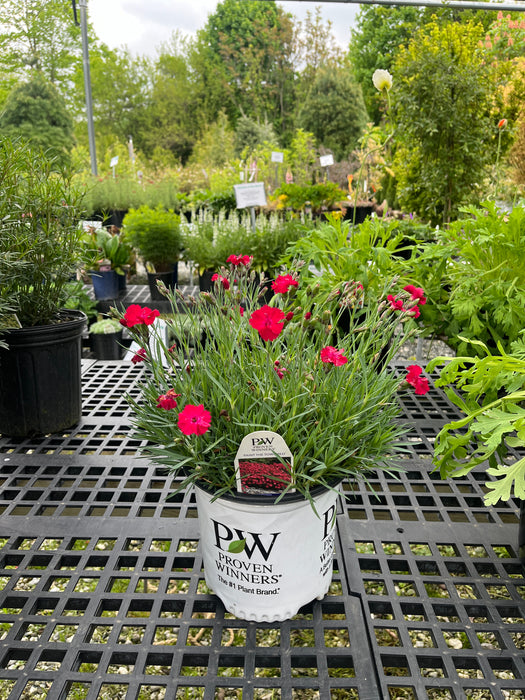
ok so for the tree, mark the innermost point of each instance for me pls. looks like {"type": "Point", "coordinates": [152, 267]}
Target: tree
{"type": "Point", "coordinates": [244, 57]}
{"type": "Point", "coordinates": [249, 134]}
{"type": "Point", "coordinates": [38, 35]}
{"type": "Point", "coordinates": [334, 111]}
{"type": "Point", "coordinates": [175, 119]}
{"type": "Point", "coordinates": [375, 41]}
{"type": "Point", "coordinates": [316, 49]}
{"type": "Point", "coordinates": [36, 112]}
{"type": "Point", "coordinates": [120, 86]}
{"type": "Point", "coordinates": [443, 98]}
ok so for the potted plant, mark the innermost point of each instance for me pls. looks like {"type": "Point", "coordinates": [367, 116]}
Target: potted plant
{"type": "Point", "coordinates": [155, 233]}
{"type": "Point", "coordinates": [207, 243]}
{"type": "Point", "coordinates": [490, 391]}
{"type": "Point", "coordinates": [40, 252]}
{"type": "Point", "coordinates": [105, 338]}
{"type": "Point", "coordinates": [265, 419]}
{"type": "Point", "coordinates": [109, 258]}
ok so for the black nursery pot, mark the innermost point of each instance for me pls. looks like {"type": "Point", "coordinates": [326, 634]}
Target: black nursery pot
{"type": "Point", "coordinates": [205, 283]}
{"type": "Point", "coordinates": [40, 377]}
{"type": "Point", "coordinates": [106, 346]}
{"type": "Point", "coordinates": [170, 279]}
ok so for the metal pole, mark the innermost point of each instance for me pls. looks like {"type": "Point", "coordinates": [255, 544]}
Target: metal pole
{"type": "Point", "coordinates": [87, 85]}
{"type": "Point", "coordinates": [457, 4]}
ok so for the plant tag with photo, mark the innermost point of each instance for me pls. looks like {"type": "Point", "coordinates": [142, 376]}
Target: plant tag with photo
{"type": "Point", "coordinates": [263, 463]}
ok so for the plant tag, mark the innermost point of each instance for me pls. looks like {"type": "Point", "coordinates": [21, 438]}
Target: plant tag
{"type": "Point", "coordinates": [263, 463]}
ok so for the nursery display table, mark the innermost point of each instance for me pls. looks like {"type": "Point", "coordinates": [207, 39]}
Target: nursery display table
{"type": "Point", "coordinates": [103, 596]}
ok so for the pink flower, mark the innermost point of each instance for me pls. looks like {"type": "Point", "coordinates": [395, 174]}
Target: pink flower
{"type": "Point", "coordinates": [167, 400]}
{"type": "Point", "coordinates": [396, 304]}
{"type": "Point", "coordinates": [333, 356]}
{"type": "Point", "coordinates": [268, 321]}
{"type": "Point", "coordinates": [417, 294]}
{"type": "Point", "coordinates": [283, 283]}
{"type": "Point", "coordinates": [414, 311]}
{"type": "Point", "coordinates": [415, 379]}
{"type": "Point", "coordinates": [237, 260]}
{"type": "Point", "coordinates": [135, 315]}
{"type": "Point", "coordinates": [224, 281]}
{"type": "Point", "coordinates": [139, 356]}
{"type": "Point", "coordinates": [194, 420]}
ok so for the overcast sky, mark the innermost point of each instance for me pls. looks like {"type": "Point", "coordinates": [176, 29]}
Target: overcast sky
{"type": "Point", "coordinates": [142, 25]}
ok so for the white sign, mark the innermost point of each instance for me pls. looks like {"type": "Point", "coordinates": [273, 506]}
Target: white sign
{"type": "Point", "coordinates": [113, 162]}
{"type": "Point", "coordinates": [277, 157]}
{"type": "Point", "coordinates": [250, 195]}
{"type": "Point", "coordinates": [261, 456]}
{"type": "Point", "coordinates": [327, 160]}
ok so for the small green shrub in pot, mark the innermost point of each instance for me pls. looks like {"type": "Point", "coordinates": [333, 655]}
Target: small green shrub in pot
{"type": "Point", "coordinates": [40, 253]}
{"type": "Point", "coordinates": [156, 235]}
{"type": "Point", "coordinates": [40, 236]}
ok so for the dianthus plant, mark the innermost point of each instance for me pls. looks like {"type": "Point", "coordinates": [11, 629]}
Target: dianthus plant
{"type": "Point", "coordinates": [237, 362]}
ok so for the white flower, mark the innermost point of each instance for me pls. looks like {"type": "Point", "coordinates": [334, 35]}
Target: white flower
{"type": "Point", "coordinates": [382, 80]}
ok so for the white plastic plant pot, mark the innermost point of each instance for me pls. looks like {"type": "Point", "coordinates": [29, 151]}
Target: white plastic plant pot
{"type": "Point", "coordinates": [266, 561]}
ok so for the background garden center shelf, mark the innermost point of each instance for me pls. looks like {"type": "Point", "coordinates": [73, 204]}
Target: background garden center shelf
{"type": "Point", "coordinates": [103, 595]}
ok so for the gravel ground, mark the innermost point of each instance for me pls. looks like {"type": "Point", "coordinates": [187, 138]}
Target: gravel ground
{"type": "Point", "coordinates": [423, 350]}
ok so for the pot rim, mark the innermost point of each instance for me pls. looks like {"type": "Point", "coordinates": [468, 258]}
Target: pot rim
{"type": "Point", "coordinates": [270, 499]}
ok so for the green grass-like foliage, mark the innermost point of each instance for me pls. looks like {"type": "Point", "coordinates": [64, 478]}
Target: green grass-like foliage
{"type": "Point", "coordinates": [338, 421]}
{"type": "Point", "coordinates": [40, 239]}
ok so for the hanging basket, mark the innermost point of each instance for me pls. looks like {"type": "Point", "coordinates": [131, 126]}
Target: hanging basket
{"type": "Point", "coordinates": [267, 560]}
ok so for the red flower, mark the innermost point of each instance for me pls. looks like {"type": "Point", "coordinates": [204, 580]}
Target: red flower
{"type": "Point", "coordinates": [136, 315]}
{"type": "Point", "coordinates": [167, 400]}
{"type": "Point", "coordinates": [194, 420]}
{"type": "Point", "coordinates": [396, 304]}
{"type": "Point", "coordinates": [268, 321]}
{"type": "Point", "coordinates": [415, 379]}
{"type": "Point", "coordinates": [416, 293]}
{"type": "Point", "coordinates": [237, 260]}
{"type": "Point", "coordinates": [414, 311]}
{"type": "Point", "coordinates": [333, 356]}
{"type": "Point", "coordinates": [225, 283]}
{"type": "Point", "coordinates": [289, 316]}
{"type": "Point", "coordinates": [241, 310]}
{"type": "Point", "coordinates": [502, 123]}
{"type": "Point", "coordinates": [139, 356]}
{"type": "Point", "coordinates": [308, 316]}
{"type": "Point", "coordinates": [283, 283]}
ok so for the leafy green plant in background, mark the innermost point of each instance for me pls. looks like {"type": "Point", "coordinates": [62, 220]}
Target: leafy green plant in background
{"type": "Point", "coordinates": [369, 253]}
{"type": "Point", "coordinates": [297, 197]}
{"type": "Point", "coordinates": [155, 233]}
{"type": "Point", "coordinates": [78, 298]}
{"type": "Point", "coordinates": [209, 239]}
{"type": "Point", "coordinates": [443, 113]}
{"type": "Point", "coordinates": [103, 246]}
{"type": "Point", "coordinates": [474, 277]}
{"type": "Point", "coordinates": [490, 391]}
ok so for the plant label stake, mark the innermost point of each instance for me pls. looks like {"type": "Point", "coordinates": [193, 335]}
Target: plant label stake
{"type": "Point", "coordinates": [263, 463]}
